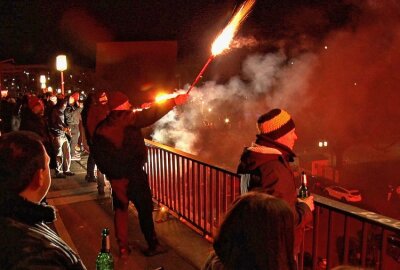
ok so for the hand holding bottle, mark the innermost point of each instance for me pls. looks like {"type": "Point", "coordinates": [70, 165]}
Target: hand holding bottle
{"type": "Point", "coordinates": [304, 194]}
{"type": "Point", "coordinates": [309, 201]}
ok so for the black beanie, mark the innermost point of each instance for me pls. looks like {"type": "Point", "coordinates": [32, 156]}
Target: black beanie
{"type": "Point", "coordinates": [275, 123]}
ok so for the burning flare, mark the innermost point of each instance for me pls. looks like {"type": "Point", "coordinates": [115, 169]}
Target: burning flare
{"type": "Point", "coordinates": [162, 97]}
{"type": "Point", "coordinates": [223, 41]}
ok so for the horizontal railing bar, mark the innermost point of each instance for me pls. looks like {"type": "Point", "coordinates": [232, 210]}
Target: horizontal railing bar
{"type": "Point", "coordinates": [188, 156]}
{"type": "Point", "coordinates": [358, 213]}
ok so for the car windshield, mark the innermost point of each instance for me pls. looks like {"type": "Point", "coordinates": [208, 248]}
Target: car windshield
{"type": "Point", "coordinates": [355, 192]}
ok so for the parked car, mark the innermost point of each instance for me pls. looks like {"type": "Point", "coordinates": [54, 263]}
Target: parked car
{"type": "Point", "coordinates": [343, 194]}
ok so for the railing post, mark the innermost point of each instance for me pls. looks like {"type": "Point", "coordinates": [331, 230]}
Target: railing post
{"type": "Point", "coordinates": [383, 249]}
{"type": "Point", "coordinates": [315, 238]}
{"type": "Point", "coordinates": [329, 242]}
{"type": "Point", "coordinates": [346, 240]}
{"type": "Point", "coordinates": [364, 244]}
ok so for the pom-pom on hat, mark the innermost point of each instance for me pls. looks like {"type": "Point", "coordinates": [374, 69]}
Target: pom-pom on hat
{"type": "Point", "coordinates": [75, 96]}
{"type": "Point", "coordinates": [116, 98]}
{"type": "Point", "coordinates": [275, 123]}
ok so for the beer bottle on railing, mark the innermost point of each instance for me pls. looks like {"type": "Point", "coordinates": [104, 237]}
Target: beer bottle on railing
{"type": "Point", "coordinates": [303, 190]}
{"type": "Point", "coordinates": [104, 259]}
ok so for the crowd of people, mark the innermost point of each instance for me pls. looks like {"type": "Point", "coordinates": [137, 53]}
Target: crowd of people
{"type": "Point", "coordinates": [57, 120]}
{"type": "Point", "coordinates": [262, 230]}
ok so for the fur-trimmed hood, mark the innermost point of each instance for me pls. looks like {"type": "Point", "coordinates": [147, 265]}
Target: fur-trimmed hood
{"type": "Point", "coordinates": [261, 151]}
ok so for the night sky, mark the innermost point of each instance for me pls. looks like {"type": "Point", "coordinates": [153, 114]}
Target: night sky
{"type": "Point", "coordinates": [34, 31]}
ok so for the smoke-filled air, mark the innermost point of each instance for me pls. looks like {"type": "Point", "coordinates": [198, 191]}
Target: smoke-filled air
{"type": "Point", "coordinates": [342, 88]}
{"type": "Point", "coordinates": [220, 118]}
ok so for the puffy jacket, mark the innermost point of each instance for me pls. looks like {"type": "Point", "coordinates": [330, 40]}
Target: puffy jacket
{"type": "Point", "coordinates": [26, 242]}
{"type": "Point", "coordinates": [268, 163]}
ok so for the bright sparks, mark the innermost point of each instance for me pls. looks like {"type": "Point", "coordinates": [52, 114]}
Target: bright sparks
{"type": "Point", "coordinates": [223, 41]}
{"type": "Point", "coordinates": [162, 97]}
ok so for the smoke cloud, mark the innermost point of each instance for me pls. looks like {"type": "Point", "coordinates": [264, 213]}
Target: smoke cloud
{"type": "Point", "coordinates": [342, 88]}
{"type": "Point", "coordinates": [216, 110]}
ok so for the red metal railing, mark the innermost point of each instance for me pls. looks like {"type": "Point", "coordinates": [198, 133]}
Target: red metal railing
{"type": "Point", "coordinates": [200, 194]}
{"type": "Point", "coordinates": [345, 234]}
{"type": "Point", "coordinates": [194, 190]}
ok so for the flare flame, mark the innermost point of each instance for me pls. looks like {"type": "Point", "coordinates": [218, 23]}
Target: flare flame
{"type": "Point", "coordinates": [223, 41]}
{"type": "Point", "coordinates": [163, 97]}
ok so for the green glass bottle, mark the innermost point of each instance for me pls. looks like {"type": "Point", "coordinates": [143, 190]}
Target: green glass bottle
{"type": "Point", "coordinates": [303, 190]}
{"type": "Point", "coordinates": [105, 259]}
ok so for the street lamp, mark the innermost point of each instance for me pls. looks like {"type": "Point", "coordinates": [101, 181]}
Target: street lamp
{"type": "Point", "coordinates": [42, 82]}
{"type": "Point", "coordinates": [61, 65]}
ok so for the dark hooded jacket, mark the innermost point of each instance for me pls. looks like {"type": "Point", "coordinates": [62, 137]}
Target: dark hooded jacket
{"type": "Point", "coordinates": [57, 123]}
{"type": "Point", "coordinates": [38, 124]}
{"type": "Point", "coordinates": [26, 242]}
{"type": "Point", "coordinates": [118, 144]}
{"type": "Point", "coordinates": [268, 164]}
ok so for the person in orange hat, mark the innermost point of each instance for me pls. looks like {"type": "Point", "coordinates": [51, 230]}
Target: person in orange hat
{"type": "Point", "coordinates": [120, 153]}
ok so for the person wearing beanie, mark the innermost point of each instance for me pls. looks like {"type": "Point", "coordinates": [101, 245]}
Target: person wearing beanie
{"type": "Point", "coordinates": [265, 167]}
{"type": "Point", "coordinates": [120, 153]}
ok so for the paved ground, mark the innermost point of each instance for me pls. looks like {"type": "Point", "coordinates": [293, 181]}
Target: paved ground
{"type": "Point", "coordinates": [82, 214]}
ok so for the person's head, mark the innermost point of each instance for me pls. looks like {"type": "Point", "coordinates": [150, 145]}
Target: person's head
{"type": "Point", "coordinates": [118, 101]}
{"type": "Point", "coordinates": [53, 99]}
{"type": "Point", "coordinates": [278, 125]}
{"type": "Point", "coordinates": [24, 166]}
{"type": "Point", "coordinates": [36, 105]}
{"type": "Point", "coordinates": [257, 233]}
{"type": "Point", "coordinates": [101, 97]}
{"type": "Point", "coordinates": [73, 98]}
{"type": "Point", "coordinates": [47, 96]}
{"type": "Point", "coordinates": [61, 103]}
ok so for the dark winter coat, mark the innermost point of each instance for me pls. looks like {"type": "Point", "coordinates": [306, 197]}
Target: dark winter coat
{"type": "Point", "coordinates": [57, 121]}
{"type": "Point", "coordinates": [118, 144]}
{"type": "Point", "coordinates": [26, 242]}
{"type": "Point", "coordinates": [271, 173]}
{"type": "Point", "coordinates": [94, 115]}
{"type": "Point", "coordinates": [38, 124]}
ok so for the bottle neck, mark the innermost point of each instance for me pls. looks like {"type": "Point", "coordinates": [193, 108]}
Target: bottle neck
{"type": "Point", "coordinates": [303, 180]}
{"type": "Point", "coordinates": [105, 244]}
